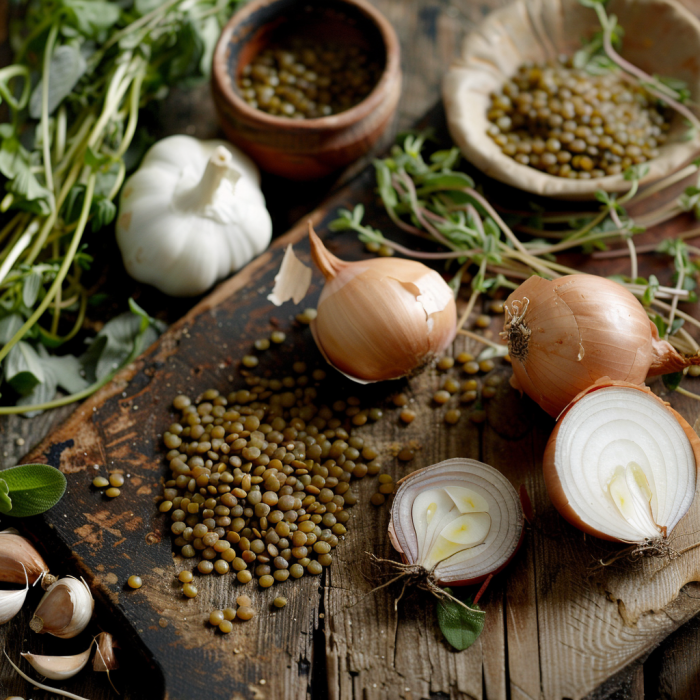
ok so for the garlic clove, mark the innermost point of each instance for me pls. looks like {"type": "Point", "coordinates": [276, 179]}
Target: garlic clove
{"type": "Point", "coordinates": [18, 555]}
{"type": "Point", "coordinates": [59, 668]}
{"type": "Point", "coordinates": [65, 609]}
{"type": "Point", "coordinates": [11, 602]}
{"type": "Point", "coordinates": [425, 509]}
{"type": "Point", "coordinates": [105, 658]}
{"type": "Point", "coordinates": [469, 529]}
{"type": "Point", "coordinates": [467, 500]}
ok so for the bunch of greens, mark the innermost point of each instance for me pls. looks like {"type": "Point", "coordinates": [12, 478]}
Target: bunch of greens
{"type": "Point", "coordinates": [83, 69]}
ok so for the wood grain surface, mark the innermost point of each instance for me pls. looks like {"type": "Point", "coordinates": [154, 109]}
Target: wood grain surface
{"type": "Point", "coordinates": [334, 639]}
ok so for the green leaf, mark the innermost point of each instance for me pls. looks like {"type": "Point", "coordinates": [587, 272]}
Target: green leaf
{"type": "Point", "coordinates": [30, 288]}
{"type": "Point", "coordinates": [23, 369]}
{"type": "Point", "coordinates": [5, 500]}
{"type": "Point", "coordinates": [460, 626]}
{"type": "Point", "coordinates": [9, 326]}
{"type": "Point", "coordinates": [672, 381]}
{"type": "Point", "coordinates": [91, 17]}
{"type": "Point", "coordinates": [124, 337]}
{"type": "Point", "coordinates": [660, 325]}
{"type": "Point", "coordinates": [103, 212]}
{"type": "Point", "coordinates": [650, 291]}
{"type": "Point", "coordinates": [34, 488]}
{"type": "Point", "coordinates": [66, 68]}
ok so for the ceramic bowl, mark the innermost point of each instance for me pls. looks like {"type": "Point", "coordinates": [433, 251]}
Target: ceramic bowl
{"type": "Point", "coordinates": [306, 148]}
{"type": "Point", "coordinates": [661, 37]}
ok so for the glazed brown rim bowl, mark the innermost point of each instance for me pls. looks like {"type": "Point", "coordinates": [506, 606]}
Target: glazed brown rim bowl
{"type": "Point", "coordinates": [661, 37]}
{"type": "Point", "coordinates": [303, 149]}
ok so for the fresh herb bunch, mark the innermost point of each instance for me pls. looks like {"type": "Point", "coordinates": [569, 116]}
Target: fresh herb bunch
{"type": "Point", "coordinates": [83, 70]}
{"type": "Point", "coordinates": [429, 197]}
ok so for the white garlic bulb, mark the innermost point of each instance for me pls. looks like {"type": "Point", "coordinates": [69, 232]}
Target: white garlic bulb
{"type": "Point", "coordinates": [191, 214]}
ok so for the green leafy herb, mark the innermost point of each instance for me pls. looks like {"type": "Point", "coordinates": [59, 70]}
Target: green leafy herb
{"type": "Point", "coordinates": [460, 626]}
{"type": "Point", "coordinates": [83, 70]}
{"type": "Point", "coordinates": [30, 489]}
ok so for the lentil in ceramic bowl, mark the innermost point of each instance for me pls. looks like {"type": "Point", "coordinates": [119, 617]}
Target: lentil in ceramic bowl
{"type": "Point", "coordinates": [306, 87]}
{"type": "Point", "coordinates": [525, 116]}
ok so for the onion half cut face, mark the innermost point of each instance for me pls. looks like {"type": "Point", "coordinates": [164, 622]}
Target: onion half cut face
{"type": "Point", "coordinates": [460, 519]}
{"type": "Point", "coordinates": [621, 464]}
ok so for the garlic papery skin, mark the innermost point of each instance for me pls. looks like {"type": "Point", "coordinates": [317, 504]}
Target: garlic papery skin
{"type": "Point", "coordinates": [382, 318]}
{"type": "Point", "coordinates": [565, 334]}
{"type": "Point", "coordinates": [65, 609]}
{"type": "Point", "coordinates": [11, 602]}
{"type": "Point", "coordinates": [621, 464]}
{"type": "Point", "coordinates": [59, 668]}
{"type": "Point", "coordinates": [460, 520]}
{"type": "Point", "coordinates": [191, 214]}
{"type": "Point", "coordinates": [19, 557]}
{"type": "Point", "coordinates": [105, 659]}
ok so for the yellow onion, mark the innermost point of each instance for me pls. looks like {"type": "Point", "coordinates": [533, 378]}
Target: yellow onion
{"type": "Point", "coordinates": [381, 318]}
{"type": "Point", "coordinates": [565, 334]}
{"type": "Point", "coordinates": [621, 464]}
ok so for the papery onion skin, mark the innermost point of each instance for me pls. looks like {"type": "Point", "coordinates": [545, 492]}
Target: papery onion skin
{"type": "Point", "coordinates": [371, 324]}
{"type": "Point", "coordinates": [393, 538]}
{"type": "Point", "coordinates": [577, 329]}
{"type": "Point", "coordinates": [551, 476]}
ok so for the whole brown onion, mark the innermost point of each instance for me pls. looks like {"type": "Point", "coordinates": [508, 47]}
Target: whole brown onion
{"type": "Point", "coordinates": [565, 334]}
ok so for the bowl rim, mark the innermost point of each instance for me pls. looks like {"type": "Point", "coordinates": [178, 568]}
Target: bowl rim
{"type": "Point", "coordinates": [505, 169]}
{"type": "Point", "coordinates": [341, 120]}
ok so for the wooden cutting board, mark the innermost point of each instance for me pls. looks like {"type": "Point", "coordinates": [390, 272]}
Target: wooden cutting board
{"type": "Point", "coordinates": [554, 629]}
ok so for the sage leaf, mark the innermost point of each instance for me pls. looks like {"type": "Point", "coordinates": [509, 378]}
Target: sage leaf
{"type": "Point", "coordinates": [65, 70]}
{"type": "Point", "coordinates": [33, 488]}
{"type": "Point", "coordinates": [461, 627]}
{"type": "Point", "coordinates": [23, 369]}
{"type": "Point", "coordinates": [5, 500]}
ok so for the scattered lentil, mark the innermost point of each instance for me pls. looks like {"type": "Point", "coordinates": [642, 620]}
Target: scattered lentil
{"type": "Point", "coordinates": [134, 582]}
{"type": "Point", "coordinates": [279, 602]}
{"type": "Point", "coordinates": [99, 482]}
{"type": "Point", "coordinates": [113, 492]}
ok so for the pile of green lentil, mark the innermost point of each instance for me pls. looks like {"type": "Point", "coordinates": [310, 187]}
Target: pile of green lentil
{"type": "Point", "coordinates": [304, 80]}
{"type": "Point", "coordinates": [260, 478]}
{"type": "Point", "coordinates": [569, 123]}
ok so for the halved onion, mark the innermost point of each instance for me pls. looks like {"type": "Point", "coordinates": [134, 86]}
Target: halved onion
{"type": "Point", "coordinates": [460, 519]}
{"type": "Point", "coordinates": [621, 464]}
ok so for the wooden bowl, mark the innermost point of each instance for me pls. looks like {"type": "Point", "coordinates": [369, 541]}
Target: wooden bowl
{"type": "Point", "coordinates": [661, 37]}
{"type": "Point", "coordinates": [306, 148]}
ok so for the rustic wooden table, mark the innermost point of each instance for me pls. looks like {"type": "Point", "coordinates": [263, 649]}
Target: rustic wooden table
{"type": "Point", "coordinates": [431, 33]}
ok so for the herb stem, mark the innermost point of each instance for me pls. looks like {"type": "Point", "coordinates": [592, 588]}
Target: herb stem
{"type": "Point", "coordinates": [46, 76]}
{"type": "Point", "coordinates": [467, 311]}
{"type": "Point", "coordinates": [689, 394]}
{"type": "Point", "coordinates": [63, 270]}
{"type": "Point", "coordinates": [674, 302]}
{"type": "Point", "coordinates": [480, 338]}
{"type": "Point", "coordinates": [666, 182]}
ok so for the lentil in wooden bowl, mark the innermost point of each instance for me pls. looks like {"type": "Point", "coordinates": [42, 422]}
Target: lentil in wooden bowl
{"type": "Point", "coordinates": [522, 113]}
{"type": "Point", "coordinates": [305, 87]}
